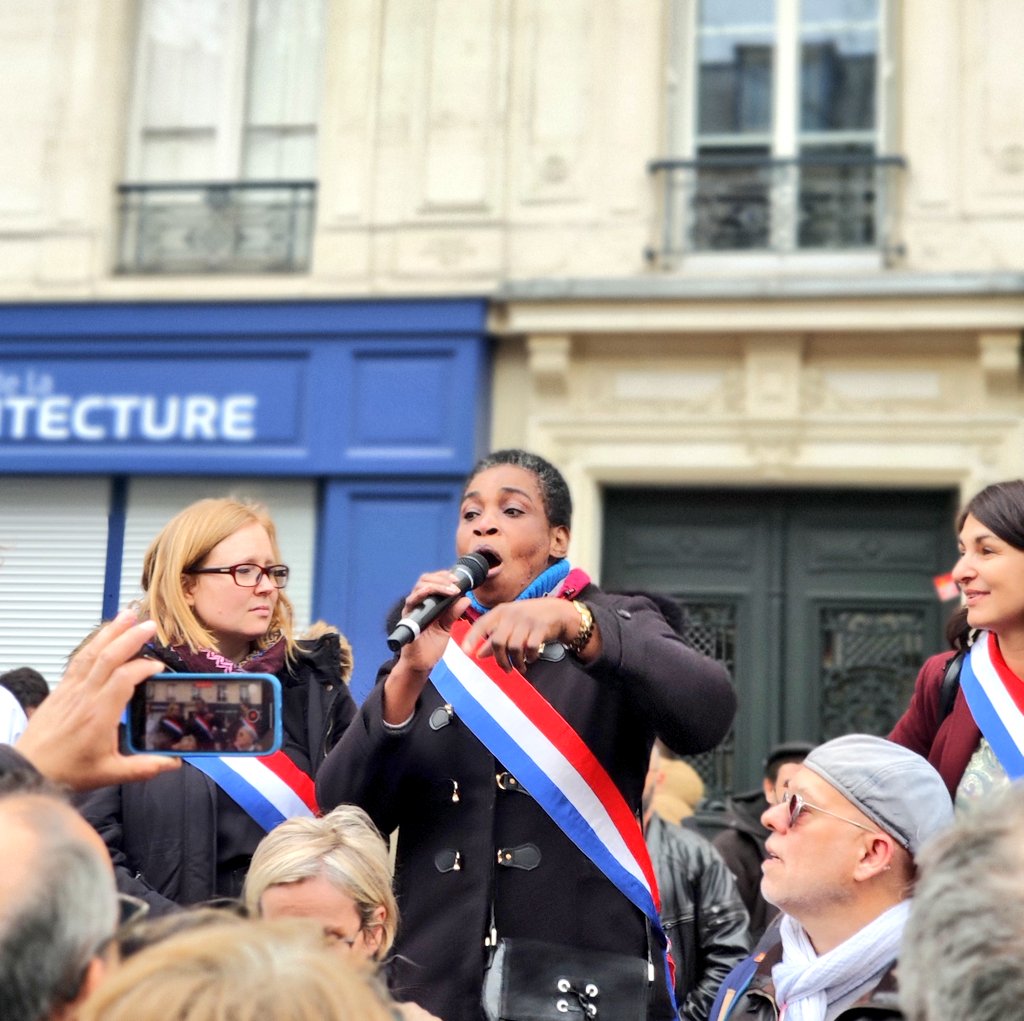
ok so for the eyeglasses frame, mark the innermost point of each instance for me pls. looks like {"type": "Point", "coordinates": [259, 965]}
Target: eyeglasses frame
{"type": "Point", "coordinates": [802, 803]}
{"type": "Point", "coordinates": [261, 572]}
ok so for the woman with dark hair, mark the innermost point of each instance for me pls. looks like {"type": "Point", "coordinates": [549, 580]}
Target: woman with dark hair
{"type": "Point", "coordinates": [502, 857]}
{"type": "Point", "coordinates": [977, 740]}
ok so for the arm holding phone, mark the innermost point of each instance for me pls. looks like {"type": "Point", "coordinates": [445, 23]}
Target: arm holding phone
{"type": "Point", "coordinates": [72, 737]}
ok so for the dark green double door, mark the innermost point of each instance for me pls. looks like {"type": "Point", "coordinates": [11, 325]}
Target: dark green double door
{"type": "Point", "coordinates": [820, 602]}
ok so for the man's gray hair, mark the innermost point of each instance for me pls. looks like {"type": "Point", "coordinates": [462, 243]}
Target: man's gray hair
{"type": "Point", "coordinates": [62, 917]}
{"type": "Point", "coordinates": [963, 947]}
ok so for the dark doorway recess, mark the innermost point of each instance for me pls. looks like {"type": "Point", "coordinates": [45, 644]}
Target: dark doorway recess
{"type": "Point", "coordinates": [820, 602]}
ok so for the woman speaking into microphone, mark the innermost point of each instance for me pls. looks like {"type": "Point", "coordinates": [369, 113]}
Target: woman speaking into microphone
{"type": "Point", "coordinates": [508, 743]}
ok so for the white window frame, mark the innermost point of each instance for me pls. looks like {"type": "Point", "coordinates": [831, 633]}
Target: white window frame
{"type": "Point", "coordinates": [231, 121]}
{"type": "Point", "coordinates": [784, 140]}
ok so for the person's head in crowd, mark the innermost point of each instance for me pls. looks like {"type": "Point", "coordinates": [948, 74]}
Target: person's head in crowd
{"type": "Point", "coordinates": [845, 833]}
{"type": "Point", "coordinates": [229, 972]}
{"type": "Point", "coordinates": [206, 583]}
{"type": "Point", "coordinates": [781, 762]}
{"type": "Point", "coordinates": [245, 737]}
{"type": "Point", "coordinates": [992, 522]}
{"type": "Point", "coordinates": [673, 787]}
{"type": "Point", "coordinates": [58, 905]}
{"type": "Point", "coordinates": [963, 948]}
{"type": "Point", "coordinates": [334, 870]}
{"type": "Point", "coordinates": [27, 685]}
{"type": "Point", "coordinates": [147, 931]}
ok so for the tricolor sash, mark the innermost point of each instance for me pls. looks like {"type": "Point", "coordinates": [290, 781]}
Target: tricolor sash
{"type": "Point", "coordinates": [269, 788]}
{"type": "Point", "coordinates": [524, 732]}
{"type": "Point", "coordinates": [995, 696]}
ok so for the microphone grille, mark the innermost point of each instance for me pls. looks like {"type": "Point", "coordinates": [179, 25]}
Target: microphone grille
{"type": "Point", "coordinates": [476, 565]}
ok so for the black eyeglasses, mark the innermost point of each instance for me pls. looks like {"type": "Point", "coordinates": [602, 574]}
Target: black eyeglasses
{"type": "Point", "coordinates": [795, 804]}
{"type": "Point", "coordinates": [248, 575]}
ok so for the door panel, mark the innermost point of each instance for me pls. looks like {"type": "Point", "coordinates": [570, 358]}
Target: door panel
{"type": "Point", "coordinates": [820, 603]}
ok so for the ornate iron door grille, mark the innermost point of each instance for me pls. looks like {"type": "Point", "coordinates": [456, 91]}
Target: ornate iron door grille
{"type": "Point", "coordinates": [711, 628]}
{"type": "Point", "coordinates": [869, 660]}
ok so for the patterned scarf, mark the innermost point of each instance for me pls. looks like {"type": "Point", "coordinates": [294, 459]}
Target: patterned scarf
{"type": "Point", "coordinates": [208, 661]}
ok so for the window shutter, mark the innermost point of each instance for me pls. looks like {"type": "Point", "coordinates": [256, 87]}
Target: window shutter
{"type": "Point", "coordinates": [53, 542]}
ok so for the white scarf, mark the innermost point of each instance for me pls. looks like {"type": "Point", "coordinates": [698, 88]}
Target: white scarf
{"type": "Point", "coordinates": [805, 984]}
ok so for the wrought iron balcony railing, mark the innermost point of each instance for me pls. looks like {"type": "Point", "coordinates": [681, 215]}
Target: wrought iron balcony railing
{"type": "Point", "coordinates": [216, 227]}
{"type": "Point", "coordinates": [818, 202]}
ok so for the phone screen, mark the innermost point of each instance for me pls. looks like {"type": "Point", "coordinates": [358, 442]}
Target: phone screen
{"type": "Point", "coordinates": [206, 714]}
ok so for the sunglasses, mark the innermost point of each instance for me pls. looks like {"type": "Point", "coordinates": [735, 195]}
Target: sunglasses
{"type": "Point", "coordinates": [795, 804]}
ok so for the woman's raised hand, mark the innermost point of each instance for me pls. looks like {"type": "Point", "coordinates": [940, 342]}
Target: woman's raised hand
{"type": "Point", "coordinates": [410, 674]}
{"type": "Point", "coordinates": [515, 633]}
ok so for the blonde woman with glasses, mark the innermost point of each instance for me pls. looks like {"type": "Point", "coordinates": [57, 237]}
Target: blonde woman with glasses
{"type": "Point", "coordinates": [214, 584]}
{"type": "Point", "coordinates": [334, 871]}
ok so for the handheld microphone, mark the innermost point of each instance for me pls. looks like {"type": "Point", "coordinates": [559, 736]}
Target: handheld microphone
{"type": "Point", "coordinates": [469, 570]}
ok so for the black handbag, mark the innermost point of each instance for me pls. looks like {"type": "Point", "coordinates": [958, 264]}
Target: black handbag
{"type": "Point", "coordinates": [530, 980]}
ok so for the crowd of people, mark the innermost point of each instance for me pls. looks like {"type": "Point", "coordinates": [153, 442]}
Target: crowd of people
{"type": "Point", "coordinates": [491, 835]}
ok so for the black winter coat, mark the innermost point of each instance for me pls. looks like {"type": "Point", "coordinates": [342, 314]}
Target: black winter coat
{"type": "Point", "coordinates": [163, 833]}
{"type": "Point", "coordinates": [436, 783]}
{"type": "Point", "coordinates": [701, 912]}
{"type": "Point", "coordinates": [741, 844]}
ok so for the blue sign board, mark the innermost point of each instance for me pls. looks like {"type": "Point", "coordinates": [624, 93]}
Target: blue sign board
{"type": "Point", "coordinates": [317, 388]}
{"type": "Point", "coordinates": [106, 401]}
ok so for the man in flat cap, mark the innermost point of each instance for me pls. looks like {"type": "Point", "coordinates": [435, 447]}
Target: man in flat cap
{"type": "Point", "coordinates": [840, 868]}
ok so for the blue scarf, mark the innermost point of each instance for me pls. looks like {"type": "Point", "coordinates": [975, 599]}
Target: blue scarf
{"type": "Point", "coordinates": [544, 584]}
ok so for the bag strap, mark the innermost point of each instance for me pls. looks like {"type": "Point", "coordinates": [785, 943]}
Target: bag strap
{"type": "Point", "coordinates": [950, 685]}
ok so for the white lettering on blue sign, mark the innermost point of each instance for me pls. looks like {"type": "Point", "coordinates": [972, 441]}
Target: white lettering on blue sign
{"type": "Point", "coordinates": [99, 418]}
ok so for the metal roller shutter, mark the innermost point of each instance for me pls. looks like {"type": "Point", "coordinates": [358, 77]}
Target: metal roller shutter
{"type": "Point", "coordinates": [53, 544]}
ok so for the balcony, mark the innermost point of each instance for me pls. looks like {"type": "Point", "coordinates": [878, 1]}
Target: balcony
{"type": "Point", "coordinates": [216, 227]}
{"type": "Point", "coordinates": [814, 203]}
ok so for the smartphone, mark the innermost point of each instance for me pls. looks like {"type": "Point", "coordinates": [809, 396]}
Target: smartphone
{"type": "Point", "coordinates": [205, 714]}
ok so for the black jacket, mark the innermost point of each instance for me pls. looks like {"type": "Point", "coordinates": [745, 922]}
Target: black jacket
{"type": "Point", "coordinates": [701, 913]}
{"type": "Point", "coordinates": [166, 835]}
{"type": "Point", "coordinates": [436, 783]}
{"type": "Point", "coordinates": [740, 842]}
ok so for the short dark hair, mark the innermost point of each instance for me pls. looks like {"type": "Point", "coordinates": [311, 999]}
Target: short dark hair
{"type": "Point", "coordinates": [780, 754]}
{"type": "Point", "coordinates": [554, 490]}
{"type": "Point", "coordinates": [1001, 508]}
{"type": "Point", "coordinates": [28, 686]}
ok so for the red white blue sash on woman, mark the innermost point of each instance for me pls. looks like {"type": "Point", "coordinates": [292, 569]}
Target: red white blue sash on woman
{"type": "Point", "coordinates": [995, 696]}
{"type": "Point", "coordinates": [528, 736]}
{"type": "Point", "coordinates": [269, 788]}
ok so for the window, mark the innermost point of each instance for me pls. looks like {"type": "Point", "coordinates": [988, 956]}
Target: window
{"type": "Point", "coordinates": [777, 129]}
{"type": "Point", "coordinates": [223, 136]}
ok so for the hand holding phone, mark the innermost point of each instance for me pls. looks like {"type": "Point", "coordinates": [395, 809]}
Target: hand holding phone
{"type": "Point", "coordinates": [206, 714]}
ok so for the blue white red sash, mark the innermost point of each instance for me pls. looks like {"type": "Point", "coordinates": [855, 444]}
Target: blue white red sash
{"type": "Point", "coordinates": [545, 754]}
{"type": "Point", "coordinates": [270, 788]}
{"type": "Point", "coordinates": [995, 696]}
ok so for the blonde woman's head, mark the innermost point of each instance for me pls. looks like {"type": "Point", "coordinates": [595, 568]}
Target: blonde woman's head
{"type": "Point", "coordinates": [251, 972]}
{"type": "Point", "coordinates": [185, 544]}
{"type": "Point", "coordinates": [335, 870]}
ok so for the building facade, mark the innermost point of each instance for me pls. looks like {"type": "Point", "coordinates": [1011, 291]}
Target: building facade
{"type": "Point", "coordinates": [752, 272]}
